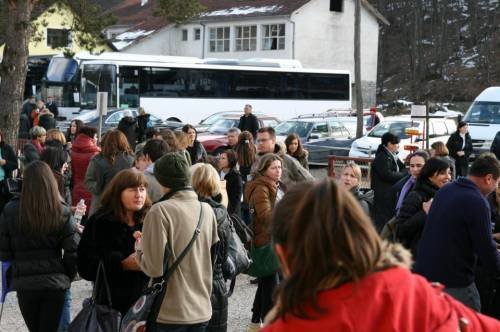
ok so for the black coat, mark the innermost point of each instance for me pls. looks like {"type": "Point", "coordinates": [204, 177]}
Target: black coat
{"type": "Point", "coordinates": [411, 217]}
{"type": "Point", "coordinates": [218, 298]}
{"type": "Point", "coordinates": [10, 157]}
{"type": "Point", "coordinates": [234, 188]}
{"type": "Point", "coordinates": [249, 123]}
{"type": "Point", "coordinates": [111, 241]}
{"type": "Point", "coordinates": [46, 262]}
{"type": "Point", "coordinates": [197, 153]}
{"type": "Point", "coordinates": [142, 125]}
{"type": "Point", "coordinates": [454, 145]}
{"type": "Point", "coordinates": [47, 121]}
{"type": "Point", "coordinates": [128, 126]}
{"type": "Point", "coordinates": [384, 174]}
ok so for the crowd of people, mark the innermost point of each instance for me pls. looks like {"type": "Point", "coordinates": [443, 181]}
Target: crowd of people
{"type": "Point", "coordinates": [148, 198]}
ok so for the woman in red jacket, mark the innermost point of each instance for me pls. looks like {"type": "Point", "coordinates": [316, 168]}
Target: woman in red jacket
{"type": "Point", "coordinates": [83, 149]}
{"type": "Point", "coordinates": [340, 276]}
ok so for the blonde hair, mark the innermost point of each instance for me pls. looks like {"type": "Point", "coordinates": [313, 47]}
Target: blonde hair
{"type": "Point", "coordinates": [56, 135]}
{"type": "Point", "coordinates": [205, 180]}
{"type": "Point", "coordinates": [355, 169]}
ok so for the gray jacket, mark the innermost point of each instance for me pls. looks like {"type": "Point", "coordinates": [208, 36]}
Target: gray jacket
{"type": "Point", "coordinates": [293, 172]}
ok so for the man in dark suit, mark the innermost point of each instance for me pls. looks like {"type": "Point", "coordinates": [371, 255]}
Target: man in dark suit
{"type": "Point", "coordinates": [249, 121]}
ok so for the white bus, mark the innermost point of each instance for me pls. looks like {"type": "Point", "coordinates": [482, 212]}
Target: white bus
{"type": "Point", "coordinates": [190, 89]}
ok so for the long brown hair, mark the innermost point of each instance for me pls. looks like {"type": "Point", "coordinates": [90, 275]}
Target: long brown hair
{"type": "Point", "coordinates": [245, 149]}
{"type": "Point", "coordinates": [111, 198]}
{"type": "Point", "coordinates": [114, 143]}
{"type": "Point", "coordinates": [301, 153]}
{"type": "Point", "coordinates": [264, 162]}
{"type": "Point", "coordinates": [40, 210]}
{"type": "Point", "coordinates": [328, 240]}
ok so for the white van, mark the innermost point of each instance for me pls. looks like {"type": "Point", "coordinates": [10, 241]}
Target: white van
{"type": "Point", "coordinates": [483, 118]}
{"type": "Point", "coordinates": [366, 146]}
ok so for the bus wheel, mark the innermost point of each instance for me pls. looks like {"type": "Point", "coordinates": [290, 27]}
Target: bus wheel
{"type": "Point", "coordinates": [174, 119]}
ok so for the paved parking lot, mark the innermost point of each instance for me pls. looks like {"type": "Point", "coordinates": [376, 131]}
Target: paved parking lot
{"type": "Point", "coordinates": [240, 304]}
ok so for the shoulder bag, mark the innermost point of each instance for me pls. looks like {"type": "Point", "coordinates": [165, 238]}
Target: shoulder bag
{"type": "Point", "coordinates": [143, 314]}
{"type": "Point", "coordinates": [97, 317]}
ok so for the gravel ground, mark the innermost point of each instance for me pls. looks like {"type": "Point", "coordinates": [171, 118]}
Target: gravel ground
{"type": "Point", "coordinates": [240, 303]}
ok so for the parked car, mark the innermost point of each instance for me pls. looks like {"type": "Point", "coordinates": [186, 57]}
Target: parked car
{"type": "Point", "coordinates": [215, 137]}
{"type": "Point", "coordinates": [439, 130]}
{"type": "Point", "coordinates": [320, 150]}
{"type": "Point", "coordinates": [112, 118]}
{"type": "Point", "coordinates": [207, 122]}
{"type": "Point", "coordinates": [315, 128]}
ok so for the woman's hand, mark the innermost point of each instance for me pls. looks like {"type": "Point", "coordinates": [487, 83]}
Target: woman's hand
{"type": "Point", "coordinates": [460, 153]}
{"type": "Point", "coordinates": [130, 263]}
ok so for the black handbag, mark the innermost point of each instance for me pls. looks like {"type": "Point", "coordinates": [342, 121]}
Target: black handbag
{"type": "Point", "coordinates": [143, 314]}
{"type": "Point", "coordinates": [97, 317]}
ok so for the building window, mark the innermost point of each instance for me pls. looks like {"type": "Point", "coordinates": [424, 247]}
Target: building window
{"type": "Point", "coordinates": [184, 35]}
{"type": "Point", "coordinates": [197, 34]}
{"type": "Point", "coordinates": [273, 37]}
{"type": "Point", "coordinates": [246, 38]}
{"type": "Point", "coordinates": [219, 39]}
{"type": "Point", "coordinates": [57, 38]}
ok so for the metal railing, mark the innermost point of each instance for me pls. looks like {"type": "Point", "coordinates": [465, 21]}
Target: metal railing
{"type": "Point", "coordinates": [337, 163]}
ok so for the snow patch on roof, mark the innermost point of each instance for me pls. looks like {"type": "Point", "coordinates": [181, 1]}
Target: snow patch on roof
{"type": "Point", "coordinates": [120, 45]}
{"type": "Point", "coordinates": [245, 10]}
{"type": "Point", "coordinates": [132, 35]}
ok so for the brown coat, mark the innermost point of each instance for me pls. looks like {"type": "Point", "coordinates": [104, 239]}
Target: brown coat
{"type": "Point", "coordinates": [260, 194]}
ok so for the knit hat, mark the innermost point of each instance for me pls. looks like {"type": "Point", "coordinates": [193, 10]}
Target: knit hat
{"type": "Point", "coordinates": [172, 171]}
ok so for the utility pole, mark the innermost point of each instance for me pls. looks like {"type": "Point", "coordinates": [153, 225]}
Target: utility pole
{"type": "Point", "coordinates": [357, 68]}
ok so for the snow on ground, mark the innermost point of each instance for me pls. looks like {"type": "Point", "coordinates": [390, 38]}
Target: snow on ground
{"type": "Point", "coordinates": [245, 10]}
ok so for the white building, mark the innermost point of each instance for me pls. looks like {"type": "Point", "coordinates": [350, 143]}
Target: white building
{"type": "Point", "coordinates": [318, 33]}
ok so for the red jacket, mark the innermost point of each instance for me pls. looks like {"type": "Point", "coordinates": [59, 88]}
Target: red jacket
{"type": "Point", "coordinates": [390, 300]}
{"type": "Point", "coordinates": [82, 150]}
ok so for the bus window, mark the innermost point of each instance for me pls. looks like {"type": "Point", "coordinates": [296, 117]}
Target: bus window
{"type": "Point", "coordinates": [129, 87]}
{"type": "Point", "coordinates": [484, 112]}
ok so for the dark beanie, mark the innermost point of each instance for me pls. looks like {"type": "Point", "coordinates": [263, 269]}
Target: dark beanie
{"type": "Point", "coordinates": [172, 171]}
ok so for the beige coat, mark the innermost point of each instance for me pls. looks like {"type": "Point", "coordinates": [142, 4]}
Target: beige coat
{"type": "Point", "coordinates": [173, 222]}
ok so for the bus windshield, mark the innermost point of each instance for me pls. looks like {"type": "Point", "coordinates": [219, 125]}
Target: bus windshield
{"type": "Point", "coordinates": [484, 112]}
{"type": "Point", "coordinates": [98, 78]}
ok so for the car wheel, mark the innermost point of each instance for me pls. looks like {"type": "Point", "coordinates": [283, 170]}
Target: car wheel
{"type": "Point", "coordinates": [174, 119]}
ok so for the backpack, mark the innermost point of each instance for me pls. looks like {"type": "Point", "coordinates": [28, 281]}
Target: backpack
{"type": "Point", "coordinates": [238, 258]}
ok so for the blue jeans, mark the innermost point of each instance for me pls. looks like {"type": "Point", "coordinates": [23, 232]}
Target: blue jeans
{"type": "Point", "coordinates": [201, 327]}
{"type": "Point", "coordinates": [467, 295]}
{"type": "Point", "coordinates": [66, 313]}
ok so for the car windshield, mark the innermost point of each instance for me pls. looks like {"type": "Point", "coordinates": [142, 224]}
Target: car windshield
{"type": "Point", "coordinates": [301, 128]}
{"type": "Point", "coordinates": [397, 128]}
{"type": "Point", "coordinates": [484, 112]}
{"type": "Point", "coordinates": [223, 125]}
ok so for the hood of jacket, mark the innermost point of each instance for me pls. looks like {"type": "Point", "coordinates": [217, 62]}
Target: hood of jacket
{"type": "Point", "coordinates": [84, 144]}
{"type": "Point", "coordinates": [259, 181]}
{"type": "Point", "coordinates": [426, 187]}
{"type": "Point", "coordinates": [466, 183]}
{"type": "Point", "coordinates": [219, 209]}
{"type": "Point", "coordinates": [128, 120]}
